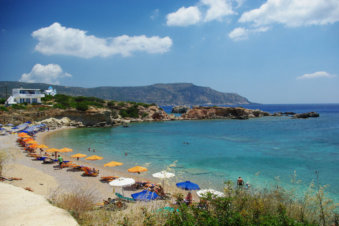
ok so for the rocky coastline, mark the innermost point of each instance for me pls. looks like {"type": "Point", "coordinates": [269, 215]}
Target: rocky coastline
{"type": "Point", "coordinates": [103, 117]}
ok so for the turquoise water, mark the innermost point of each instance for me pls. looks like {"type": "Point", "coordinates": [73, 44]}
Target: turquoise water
{"type": "Point", "coordinates": [264, 151]}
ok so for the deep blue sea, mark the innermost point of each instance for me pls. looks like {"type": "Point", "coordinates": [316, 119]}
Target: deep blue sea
{"type": "Point", "coordinates": [264, 151]}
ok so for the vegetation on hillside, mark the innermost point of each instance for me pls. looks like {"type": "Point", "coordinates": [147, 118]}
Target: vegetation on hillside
{"type": "Point", "coordinates": [275, 206]}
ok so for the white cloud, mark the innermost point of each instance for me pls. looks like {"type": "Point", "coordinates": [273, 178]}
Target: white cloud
{"type": "Point", "coordinates": [155, 14]}
{"type": "Point", "coordinates": [294, 13]}
{"type": "Point", "coordinates": [318, 74]}
{"type": "Point", "coordinates": [241, 33]}
{"type": "Point", "coordinates": [50, 73]}
{"type": "Point", "coordinates": [57, 39]}
{"type": "Point", "coordinates": [218, 9]}
{"type": "Point", "coordinates": [184, 17]}
{"type": "Point", "coordinates": [203, 11]}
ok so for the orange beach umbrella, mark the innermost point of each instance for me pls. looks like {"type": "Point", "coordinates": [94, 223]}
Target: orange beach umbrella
{"type": "Point", "coordinates": [113, 164]}
{"type": "Point", "coordinates": [51, 150]}
{"type": "Point", "coordinates": [137, 169]}
{"type": "Point", "coordinates": [31, 142]}
{"type": "Point", "coordinates": [42, 146]}
{"type": "Point", "coordinates": [94, 157]}
{"type": "Point", "coordinates": [34, 146]}
{"type": "Point", "coordinates": [79, 155]}
{"type": "Point", "coordinates": [65, 150]}
{"type": "Point", "coordinates": [23, 135]}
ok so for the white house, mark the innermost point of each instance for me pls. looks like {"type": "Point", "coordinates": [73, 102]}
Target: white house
{"type": "Point", "coordinates": [50, 91]}
{"type": "Point", "coordinates": [22, 95]}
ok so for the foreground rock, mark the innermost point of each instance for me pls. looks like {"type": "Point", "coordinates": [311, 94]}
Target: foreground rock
{"type": "Point", "coordinates": [21, 207]}
{"type": "Point", "coordinates": [180, 109]}
{"type": "Point", "coordinates": [223, 113]}
{"type": "Point", "coordinates": [307, 115]}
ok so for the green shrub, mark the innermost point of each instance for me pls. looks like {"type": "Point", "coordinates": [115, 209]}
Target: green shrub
{"type": "Point", "coordinates": [60, 106]}
{"type": "Point", "coordinates": [144, 115]}
{"type": "Point", "coordinates": [121, 104]}
{"type": "Point", "coordinates": [3, 108]}
{"type": "Point", "coordinates": [131, 112]}
{"type": "Point", "coordinates": [18, 106]}
{"type": "Point", "coordinates": [47, 98]}
{"type": "Point", "coordinates": [81, 106]}
{"type": "Point", "coordinates": [2, 100]}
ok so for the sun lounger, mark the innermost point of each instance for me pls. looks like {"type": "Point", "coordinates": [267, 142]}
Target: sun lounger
{"type": "Point", "coordinates": [89, 173]}
{"type": "Point", "coordinates": [123, 198]}
{"type": "Point", "coordinates": [108, 178]}
{"type": "Point", "coordinates": [41, 158]}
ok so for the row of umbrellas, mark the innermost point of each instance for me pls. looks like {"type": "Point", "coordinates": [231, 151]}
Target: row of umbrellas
{"type": "Point", "coordinates": [122, 182]}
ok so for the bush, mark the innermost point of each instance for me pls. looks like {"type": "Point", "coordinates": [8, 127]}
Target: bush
{"type": "Point", "coordinates": [18, 106]}
{"type": "Point", "coordinates": [111, 104]}
{"type": "Point", "coordinates": [3, 108]}
{"type": "Point", "coordinates": [2, 100]}
{"type": "Point", "coordinates": [47, 98]}
{"type": "Point", "coordinates": [131, 112]}
{"type": "Point", "coordinates": [81, 106]}
{"type": "Point", "coordinates": [59, 106]}
{"type": "Point", "coordinates": [77, 203]}
{"type": "Point", "coordinates": [121, 104]}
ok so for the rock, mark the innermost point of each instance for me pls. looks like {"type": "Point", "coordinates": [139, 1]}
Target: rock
{"type": "Point", "coordinates": [223, 113]}
{"type": "Point", "coordinates": [180, 109]}
{"type": "Point", "coordinates": [307, 115]}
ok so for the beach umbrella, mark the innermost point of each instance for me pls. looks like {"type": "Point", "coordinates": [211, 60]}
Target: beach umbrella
{"type": "Point", "coordinates": [137, 169]}
{"type": "Point", "coordinates": [144, 196]}
{"type": "Point", "coordinates": [65, 150]}
{"type": "Point", "coordinates": [163, 175]}
{"type": "Point", "coordinates": [113, 164]}
{"type": "Point", "coordinates": [214, 193]}
{"type": "Point", "coordinates": [94, 158]}
{"type": "Point", "coordinates": [79, 155]}
{"type": "Point", "coordinates": [31, 142]}
{"type": "Point", "coordinates": [23, 135]}
{"type": "Point", "coordinates": [34, 146]}
{"type": "Point", "coordinates": [42, 146]}
{"type": "Point", "coordinates": [122, 182]}
{"type": "Point", "coordinates": [51, 150]}
{"type": "Point", "coordinates": [188, 185]}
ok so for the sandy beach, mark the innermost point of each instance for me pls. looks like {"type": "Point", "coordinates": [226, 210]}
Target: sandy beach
{"type": "Point", "coordinates": [47, 179]}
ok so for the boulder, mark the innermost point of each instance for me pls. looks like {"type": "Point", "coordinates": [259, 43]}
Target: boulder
{"type": "Point", "coordinates": [307, 115]}
{"type": "Point", "coordinates": [180, 109]}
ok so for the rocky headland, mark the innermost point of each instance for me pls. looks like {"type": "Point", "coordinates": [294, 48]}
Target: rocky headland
{"type": "Point", "coordinates": [223, 113]}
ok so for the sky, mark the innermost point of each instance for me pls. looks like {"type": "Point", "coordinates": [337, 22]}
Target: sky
{"type": "Point", "coordinates": [269, 51]}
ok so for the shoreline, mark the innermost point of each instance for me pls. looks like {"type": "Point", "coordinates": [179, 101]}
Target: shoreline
{"type": "Point", "coordinates": [49, 179]}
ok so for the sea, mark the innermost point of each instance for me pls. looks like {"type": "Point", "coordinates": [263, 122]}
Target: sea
{"type": "Point", "coordinates": [266, 152]}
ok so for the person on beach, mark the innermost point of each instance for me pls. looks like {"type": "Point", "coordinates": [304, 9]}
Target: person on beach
{"type": "Point", "coordinates": [93, 150]}
{"type": "Point", "coordinates": [60, 160]}
{"type": "Point", "coordinates": [240, 182]}
{"type": "Point", "coordinates": [89, 149]}
{"type": "Point", "coordinates": [188, 200]}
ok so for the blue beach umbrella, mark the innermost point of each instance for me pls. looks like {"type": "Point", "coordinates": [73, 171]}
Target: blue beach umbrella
{"type": "Point", "coordinates": [188, 185]}
{"type": "Point", "coordinates": [144, 196]}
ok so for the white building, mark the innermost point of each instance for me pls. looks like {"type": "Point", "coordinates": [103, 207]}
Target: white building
{"type": "Point", "coordinates": [22, 95]}
{"type": "Point", "coordinates": [50, 91]}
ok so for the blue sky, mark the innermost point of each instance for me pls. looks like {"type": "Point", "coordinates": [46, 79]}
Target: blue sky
{"type": "Point", "coordinates": [270, 51]}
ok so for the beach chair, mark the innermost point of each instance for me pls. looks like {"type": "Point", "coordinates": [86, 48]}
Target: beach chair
{"type": "Point", "coordinates": [89, 173]}
{"type": "Point", "coordinates": [108, 178]}
{"type": "Point", "coordinates": [123, 198]}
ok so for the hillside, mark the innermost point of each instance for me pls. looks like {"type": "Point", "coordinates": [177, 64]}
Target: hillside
{"type": "Point", "coordinates": [161, 94]}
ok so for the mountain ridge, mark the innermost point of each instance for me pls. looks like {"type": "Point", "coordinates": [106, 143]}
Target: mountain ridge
{"type": "Point", "coordinates": [159, 93]}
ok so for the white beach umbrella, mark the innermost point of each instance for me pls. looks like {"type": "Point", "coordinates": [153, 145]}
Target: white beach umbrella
{"type": "Point", "coordinates": [163, 175]}
{"type": "Point", "coordinates": [204, 192]}
{"type": "Point", "coordinates": [122, 182]}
